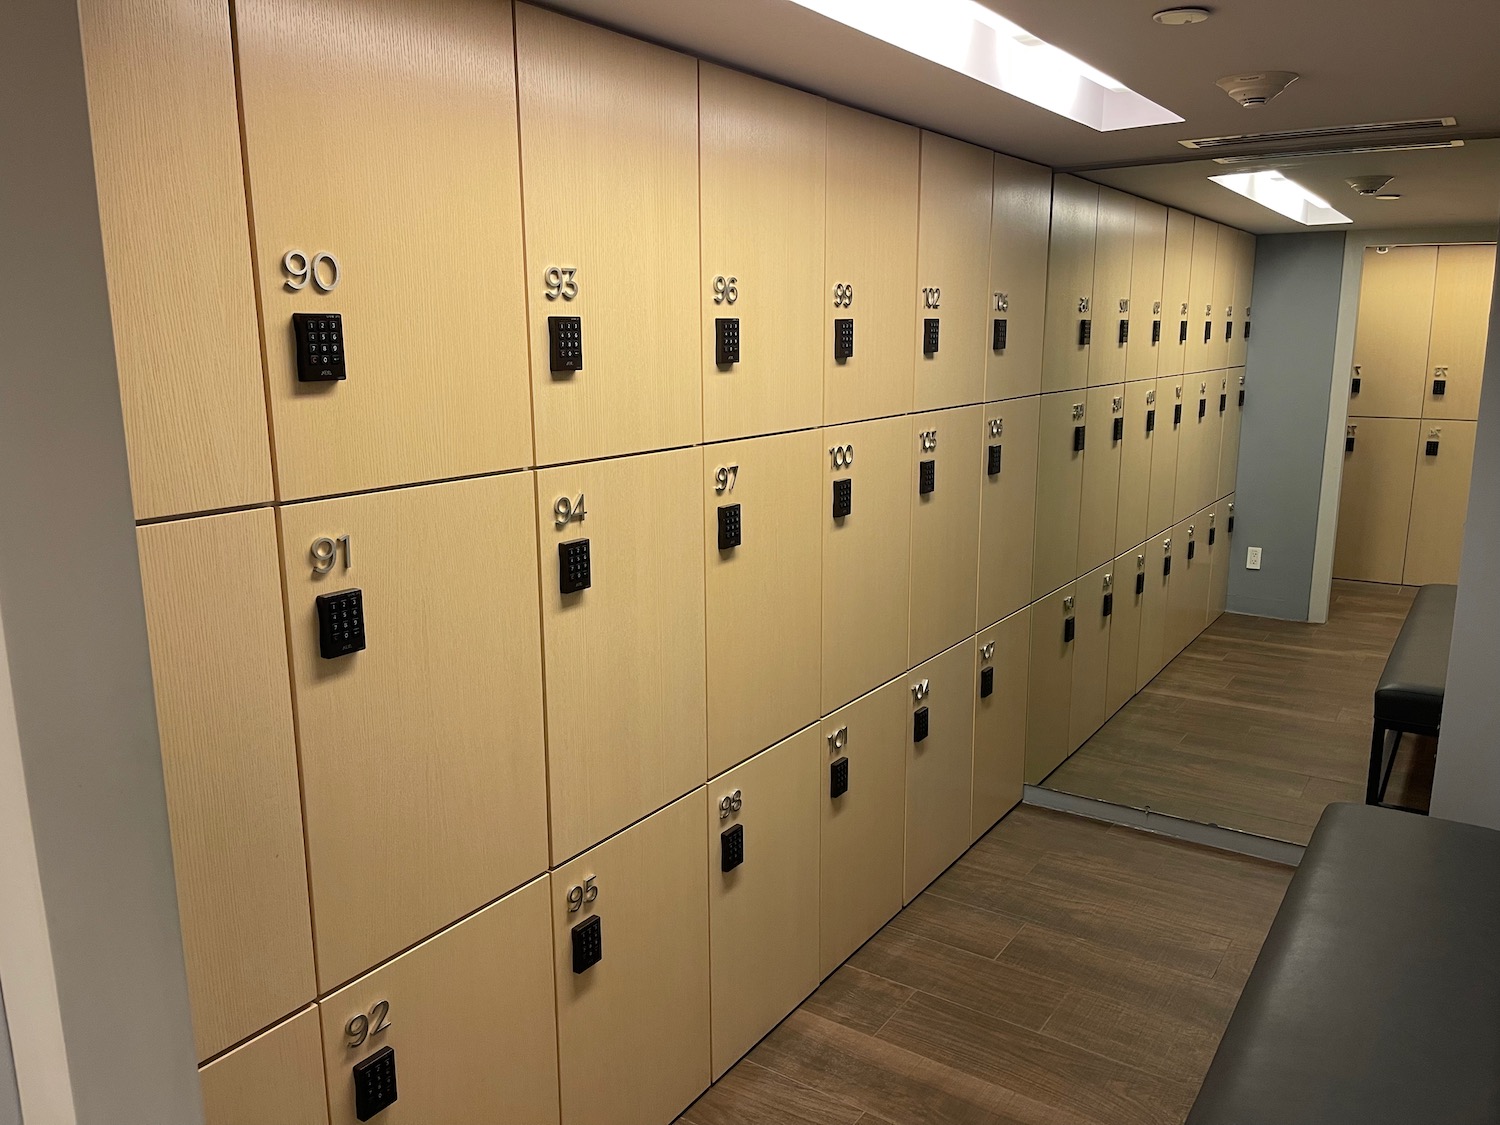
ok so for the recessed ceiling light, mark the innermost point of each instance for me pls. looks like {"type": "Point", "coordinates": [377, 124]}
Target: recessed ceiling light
{"type": "Point", "coordinates": [1273, 191]}
{"type": "Point", "coordinates": [1176, 17]}
{"type": "Point", "coordinates": [1389, 195]}
{"type": "Point", "coordinates": [969, 38]}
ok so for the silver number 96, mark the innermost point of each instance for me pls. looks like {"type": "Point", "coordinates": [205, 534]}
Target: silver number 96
{"type": "Point", "coordinates": [726, 290]}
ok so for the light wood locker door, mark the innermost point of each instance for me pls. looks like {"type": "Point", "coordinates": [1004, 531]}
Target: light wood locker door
{"type": "Point", "coordinates": [1375, 499]}
{"type": "Point", "coordinates": [762, 168]}
{"type": "Point", "coordinates": [1130, 581]}
{"type": "Point", "coordinates": [469, 1014]}
{"type": "Point", "coordinates": [196, 441]}
{"type": "Point", "coordinates": [1090, 701]}
{"type": "Point", "coordinates": [383, 133]}
{"type": "Point", "coordinates": [1102, 458]}
{"type": "Point", "coordinates": [763, 912]}
{"type": "Point", "coordinates": [870, 264]}
{"type": "Point", "coordinates": [1019, 225]}
{"type": "Point", "coordinates": [952, 287]}
{"type": "Point", "coordinates": [1226, 269]}
{"type": "Point", "coordinates": [1220, 556]}
{"type": "Point", "coordinates": [1439, 503]}
{"type": "Point", "coordinates": [229, 758]}
{"type": "Point", "coordinates": [422, 755]}
{"type": "Point", "coordinates": [1244, 284]}
{"type": "Point", "coordinates": [1460, 324]}
{"type": "Point", "coordinates": [1133, 518]}
{"type": "Point", "coordinates": [1049, 697]}
{"type": "Point", "coordinates": [1114, 241]}
{"type": "Point", "coordinates": [1004, 656]}
{"type": "Point", "coordinates": [1187, 601]}
{"type": "Point", "coordinates": [1203, 315]}
{"type": "Point", "coordinates": [1148, 324]}
{"type": "Point", "coordinates": [275, 1077]}
{"type": "Point", "coordinates": [864, 828]}
{"type": "Point", "coordinates": [1234, 416]}
{"type": "Point", "coordinates": [944, 527]}
{"type": "Point", "coordinates": [1154, 608]}
{"type": "Point", "coordinates": [866, 557]}
{"type": "Point", "coordinates": [763, 548]}
{"type": "Point", "coordinates": [1212, 451]}
{"type": "Point", "coordinates": [1166, 444]}
{"type": "Point", "coordinates": [634, 1029]}
{"type": "Point", "coordinates": [625, 658]}
{"type": "Point", "coordinates": [1007, 508]}
{"type": "Point", "coordinates": [1176, 326]}
{"type": "Point", "coordinates": [1192, 441]}
{"type": "Point", "coordinates": [939, 765]}
{"type": "Point", "coordinates": [1392, 333]}
{"type": "Point", "coordinates": [1059, 490]}
{"type": "Point", "coordinates": [1070, 285]}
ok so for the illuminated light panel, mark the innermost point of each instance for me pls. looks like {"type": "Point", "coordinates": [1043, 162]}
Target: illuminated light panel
{"type": "Point", "coordinates": [1275, 192]}
{"type": "Point", "coordinates": [969, 38]}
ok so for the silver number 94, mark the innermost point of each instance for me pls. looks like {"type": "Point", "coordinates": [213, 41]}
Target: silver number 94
{"type": "Point", "coordinates": [567, 511]}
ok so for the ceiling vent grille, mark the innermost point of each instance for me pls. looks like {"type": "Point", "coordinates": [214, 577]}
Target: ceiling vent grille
{"type": "Point", "coordinates": [1373, 129]}
{"type": "Point", "coordinates": [1270, 158]}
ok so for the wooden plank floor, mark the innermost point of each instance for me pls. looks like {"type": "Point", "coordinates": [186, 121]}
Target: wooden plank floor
{"type": "Point", "coordinates": [1063, 972]}
{"type": "Point", "coordinates": [1259, 724]}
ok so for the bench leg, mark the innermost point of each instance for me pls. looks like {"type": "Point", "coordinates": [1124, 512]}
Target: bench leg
{"type": "Point", "coordinates": [1390, 767]}
{"type": "Point", "coordinates": [1377, 762]}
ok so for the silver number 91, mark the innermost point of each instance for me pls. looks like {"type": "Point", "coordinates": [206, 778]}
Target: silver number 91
{"type": "Point", "coordinates": [325, 552]}
{"type": "Point", "coordinates": [300, 269]}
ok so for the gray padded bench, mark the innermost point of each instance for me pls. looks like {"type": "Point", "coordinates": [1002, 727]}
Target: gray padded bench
{"type": "Point", "coordinates": [1409, 698]}
{"type": "Point", "coordinates": [1376, 997]}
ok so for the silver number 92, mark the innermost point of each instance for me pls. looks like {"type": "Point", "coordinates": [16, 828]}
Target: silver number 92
{"type": "Point", "coordinates": [361, 1027]}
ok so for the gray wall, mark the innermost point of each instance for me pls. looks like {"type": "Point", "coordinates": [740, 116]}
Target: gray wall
{"type": "Point", "coordinates": [1288, 382]}
{"type": "Point", "coordinates": [10, 1097]}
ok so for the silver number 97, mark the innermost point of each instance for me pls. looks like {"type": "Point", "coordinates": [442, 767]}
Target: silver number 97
{"type": "Point", "coordinates": [325, 553]}
{"type": "Point", "coordinates": [726, 476]}
{"type": "Point", "coordinates": [321, 269]}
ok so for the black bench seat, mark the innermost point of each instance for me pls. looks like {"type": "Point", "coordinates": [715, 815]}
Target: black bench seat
{"type": "Point", "coordinates": [1409, 697]}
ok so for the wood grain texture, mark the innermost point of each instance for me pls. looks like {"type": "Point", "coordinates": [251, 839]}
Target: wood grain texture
{"type": "Point", "coordinates": [1393, 330]}
{"type": "Point", "coordinates": [940, 768]}
{"type": "Point", "coordinates": [1176, 293]}
{"type": "Point", "coordinates": [1166, 444]}
{"type": "Point", "coordinates": [1019, 224]}
{"type": "Point", "coordinates": [1226, 269]}
{"type": "Point", "coordinates": [1088, 707]}
{"type": "Point", "coordinates": [1059, 491]}
{"type": "Point", "coordinates": [165, 129]}
{"type": "Point", "coordinates": [1000, 720]}
{"type": "Point", "coordinates": [1192, 443]}
{"type": "Point", "coordinates": [471, 1021]}
{"type": "Point", "coordinates": [1460, 324]}
{"type": "Point", "coordinates": [1125, 630]}
{"type": "Point", "coordinates": [1200, 352]}
{"type": "Point", "coordinates": [277, 1076]}
{"type": "Point", "coordinates": [1244, 288]}
{"type": "Point", "coordinates": [1229, 449]}
{"type": "Point", "coordinates": [945, 530]}
{"type": "Point", "coordinates": [1132, 518]}
{"type": "Point", "coordinates": [229, 758]}
{"type": "Point", "coordinates": [1187, 600]}
{"type": "Point", "coordinates": [1007, 508]}
{"type": "Point", "coordinates": [421, 206]}
{"type": "Point", "coordinates": [1220, 557]}
{"type": "Point", "coordinates": [1439, 503]}
{"type": "Point", "coordinates": [1153, 653]}
{"type": "Point", "coordinates": [1102, 459]}
{"type": "Point", "coordinates": [1114, 243]}
{"type": "Point", "coordinates": [1147, 300]}
{"type": "Point", "coordinates": [1070, 280]}
{"type": "Point", "coordinates": [1375, 499]}
{"type": "Point", "coordinates": [1211, 452]}
{"type": "Point", "coordinates": [1050, 701]}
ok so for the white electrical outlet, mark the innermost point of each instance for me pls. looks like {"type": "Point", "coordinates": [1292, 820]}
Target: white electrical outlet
{"type": "Point", "coordinates": [1252, 559]}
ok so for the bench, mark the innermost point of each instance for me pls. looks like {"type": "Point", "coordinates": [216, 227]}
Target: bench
{"type": "Point", "coordinates": [1376, 997]}
{"type": "Point", "coordinates": [1409, 698]}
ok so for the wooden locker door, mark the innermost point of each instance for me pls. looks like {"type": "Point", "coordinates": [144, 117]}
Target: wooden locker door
{"type": "Point", "coordinates": [625, 657]}
{"type": "Point", "coordinates": [1202, 314]}
{"type": "Point", "coordinates": [952, 287]}
{"type": "Point", "coordinates": [634, 1030]}
{"type": "Point", "coordinates": [1460, 324]}
{"type": "Point", "coordinates": [1154, 606]}
{"type": "Point", "coordinates": [1161, 512]}
{"type": "Point", "coordinates": [944, 528]}
{"type": "Point", "coordinates": [864, 828]}
{"type": "Point", "coordinates": [1211, 453]}
{"type": "Point", "coordinates": [1003, 675]}
{"type": "Point", "coordinates": [1102, 458]}
{"type": "Point", "coordinates": [1070, 285]}
{"type": "Point", "coordinates": [866, 558]}
{"type": "Point", "coordinates": [1007, 508]}
{"type": "Point", "coordinates": [1089, 704]}
{"type": "Point", "coordinates": [1148, 323]}
{"type": "Point", "coordinates": [764, 592]}
{"type": "Point", "coordinates": [1375, 499]}
{"type": "Point", "coordinates": [1187, 601]}
{"type": "Point", "coordinates": [1049, 697]}
{"type": "Point", "coordinates": [1176, 325]}
{"type": "Point", "coordinates": [1220, 557]}
{"type": "Point", "coordinates": [939, 765]}
{"type": "Point", "coordinates": [1226, 269]}
{"type": "Point", "coordinates": [870, 264]}
{"type": "Point", "coordinates": [762, 168]}
{"type": "Point", "coordinates": [1114, 239]}
{"type": "Point", "coordinates": [277, 1076]}
{"type": "Point", "coordinates": [383, 133]}
{"type": "Point", "coordinates": [196, 443]}
{"type": "Point", "coordinates": [1393, 331]}
{"type": "Point", "coordinates": [1135, 465]}
{"type": "Point", "coordinates": [763, 913]}
{"type": "Point", "coordinates": [1019, 224]}
{"type": "Point", "coordinates": [1229, 450]}
{"type": "Point", "coordinates": [1125, 629]}
{"type": "Point", "coordinates": [469, 1014]}
{"type": "Point", "coordinates": [422, 755]}
{"type": "Point", "coordinates": [1439, 503]}
{"type": "Point", "coordinates": [229, 759]}
{"type": "Point", "coordinates": [1244, 283]}
{"type": "Point", "coordinates": [1192, 442]}
{"type": "Point", "coordinates": [1059, 491]}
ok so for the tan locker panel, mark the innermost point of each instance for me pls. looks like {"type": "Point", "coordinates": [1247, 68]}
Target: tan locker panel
{"type": "Point", "coordinates": [939, 765]}
{"type": "Point", "coordinates": [1460, 325]}
{"type": "Point", "coordinates": [422, 216]}
{"type": "Point", "coordinates": [947, 467]}
{"type": "Point", "coordinates": [1004, 658]}
{"type": "Point", "coordinates": [1176, 325]}
{"type": "Point", "coordinates": [276, 1077]}
{"type": "Point", "coordinates": [763, 547]}
{"type": "Point", "coordinates": [422, 755]}
{"type": "Point", "coordinates": [1089, 704]}
{"type": "Point", "coordinates": [1007, 508]}
{"type": "Point", "coordinates": [1131, 522]}
{"type": "Point", "coordinates": [1154, 606]}
{"type": "Point", "coordinates": [1204, 328]}
{"type": "Point", "coordinates": [1187, 600]}
{"type": "Point", "coordinates": [864, 828]}
{"type": "Point", "coordinates": [1161, 512]}
{"type": "Point", "coordinates": [870, 264]}
{"type": "Point", "coordinates": [1101, 476]}
{"type": "Point", "coordinates": [1148, 321]}
{"type": "Point", "coordinates": [763, 913]}
{"type": "Point", "coordinates": [1131, 580]}
{"type": "Point", "coordinates": [229, 757]}
{"type": "Point", "coordinates": [1392, 334]}
{"type": "Point", "coordinates": [1375, 498]}
{"type": "Point", "coordinates": [1439, 503]}
{"type": "Point", "coordinates": [1244, 283]}
{"type": "Point", "coordinates": [625, 658]}
{"type": "Point", "coordinates": [1114, 238]}
{"type": "Point", "coordinates": [1220, 556]}
{"type": "Point", "coordinates": [1059, 490]}
{"type": "Point", "coordinates": [866, 557]}
{"type": "Point", "coordinates": [469, 1015]}
{"type": "Point", "coordinates": [1070, 285]}
{"type": "Point", "coordinates": [195, 442]}
{"type": "Point", "coordinates": [634, 1029]}
{"type": "Point", "coordinates": [1019, 225]}
{"type": "Point", "coordinates": [1192, 441]}
{"type": "Point", "coordinates": [1211, 451]}
{"type": "Point", "coordinates": [956, 197]}
{"type": "Point", "coordinates": [1229, 450]}
{"type": "Point", "coordinates": [1049, 697]}
{"type": "Point", "coordinates": [762, 167]}
{"type": "Point", "coordinates": [1226, 269]}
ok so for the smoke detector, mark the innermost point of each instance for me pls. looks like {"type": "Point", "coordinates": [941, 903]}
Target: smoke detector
{"type": "Point", "coordinates": [1179, 17]}
{"type": "Point", "coordinates": [1369, 185]}
{"type": "Point", "coordinates": [1253, 90]}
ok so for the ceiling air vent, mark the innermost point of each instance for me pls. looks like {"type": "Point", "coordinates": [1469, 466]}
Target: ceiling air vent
{"type": "Point", "coordinates": [1271, 158]}
{"type": "Point", "coordinates": [1374, 129]}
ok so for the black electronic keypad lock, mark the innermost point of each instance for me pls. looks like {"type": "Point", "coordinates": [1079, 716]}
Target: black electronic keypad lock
{"type": "Point", "coordinates": [1192, 549]}
{"type": "Point", "coordinates": [729, 526]}
{"type": "Point", "coordinates": [986, 682]}
{"type": "Point", "coordinates": [919, 724]}
{"type": "Point", "coordinates": [1119, 429]}
{"type": "Point", "coordinates": [1140, 583]}
{"type": "Point", "coordinates": [731, 848]}
{"type": "Point", "coordinates": [1354, 385]}
{"type": "Point", "coordinates": [1166, 567]}
{"type": "Point", "coordinates": [1202, 409]}
{"type": "Point", "coordinates": [1229, 527]}
{"type": "Point", "coordinates": [1085, 333]}
{"type": "Point", "coordinates": [588, 944]}
{"type": "Point", "coordinates": [926, 477]}
{"type": "Point", "coordinates": [1439, 387]}
{"type": "Point", "coordinates": [843, 497]}
{"type": "Point", "coordinates": [574, 572]}
{"type": "Point", "coordinates": [565, 343]}
{"type": "Point", "coordinates": [1246, 333]}
{"type": "Point", "coordinates": [992, 465]}
{"type": "Point", "coordinates": [341, 623]}
{"type": "Point", "coordinates": [1155, 332]}
{"type": "Point", "coordinates": [998, 343]}
{"type": "Point", "coordinates": [1182, 332]}
{"type": "Point", "coordinates": [320, 347]}
{"type": "Point", "coordinates": [930, 327]}
{"type": "Point", "coordinates": [1124, 331]}
{"type": "Point", "coordinates": [1242, 396]}
{"type": "Point", "coordinates": [843, 339]}
{"type": "Point", "coordinates": [1228, 331]}
{"type": "Point", "coordinates": [1213, 533]}
{"type": "Point", "coordinates": [838, 778]}
{"type": "Point", "coordinates": [1223, 402]}
{"type": "Point", "coordinates": [1432, 449]}
{"type": "Point", "coordinates": [1077, 439]}
{"type": "Point", "coordinates": [1208, 331]}
{"type": "Point", "coordinates": [1177, 414]}
{"type": "Point", "coordinates": [1151, 420]}
{"type": "Point", "coordinates": [1109, 606]}
{"type": "Point", "coordinates": [1349, 443]}
{"type": "Point", "coordinates": [727, 341]}
{"type": "Point", "coordinates": [1070, 629]}
{"type": "Point", "coordinates": [375, 1083]}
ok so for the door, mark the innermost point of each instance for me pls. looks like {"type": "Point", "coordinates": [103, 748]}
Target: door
{"type": "Point", "coordinates": [1392, 335]}
{"type": "Point", "coordinates": [1187, 601]}
{"type": "Point", "coordinates": [1102, 458]}
{"type": "Point", "coordinates": [1114, 240]}
{"type": "Point", "coordinates": [1176, 279]}
{"type": "Point", "coordinates": [945, 482]}
{"type": "Point", "coordinates": [1202, 315]}
{"type": "Point", "coordinates": [939, 765]}
{"type": "Point", "coordinates": [1229, 450]}
{"type": "Point", "coordinates": [1166, 433]}
{"type": "Point", "coordinates": [277, 1076]}
{"type": "Point", "coordinates": [1380, 465]}
{"type": "Point", "coordinates": [1226, 271]}
{"type": "Point", "coordinates": [1095, 610]}
{"type": "Point", "coordinates": [1244, 284]}
{"type": "Point", "coordinates": [1147, 323]}
{"type": "Point", "coordinates": [1049, 699]}
{"type": "Point", "coordinates": [1220, 557]}
{"type": "Point", "coordinates": [1190, 420]}
{"type": "Point", "coordinates": [1439, 502]}
{"type": "Point", "coordinates": [1003, 652]}
{"type": "Point", "coordinates": [1216, 407]}
{"type": "Point", "coordinates": [1019, 227]}
{"type": "Point", "coordinates": [1070, 285]}
{"type": "Point", "coordinates": [1460, 325]}
{"type": "Point", "coordinates": [1059, 490]}
{"type": "Point", "coordinates": [1007, 507]}
{"type": "Point", "coordinates": [1127, 609]}
{"type": "Point", "coordinates": [1132, 520]}
{"type": "Point", "coordinates": [1154, 605]}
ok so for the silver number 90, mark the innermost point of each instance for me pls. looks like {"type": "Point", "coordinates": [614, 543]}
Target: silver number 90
{"type": "Point", "coordinates": [321, 269]}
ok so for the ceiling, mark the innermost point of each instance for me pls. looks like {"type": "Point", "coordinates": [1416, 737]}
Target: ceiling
{"type": "Point", "coordinates": [1375, 60]}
